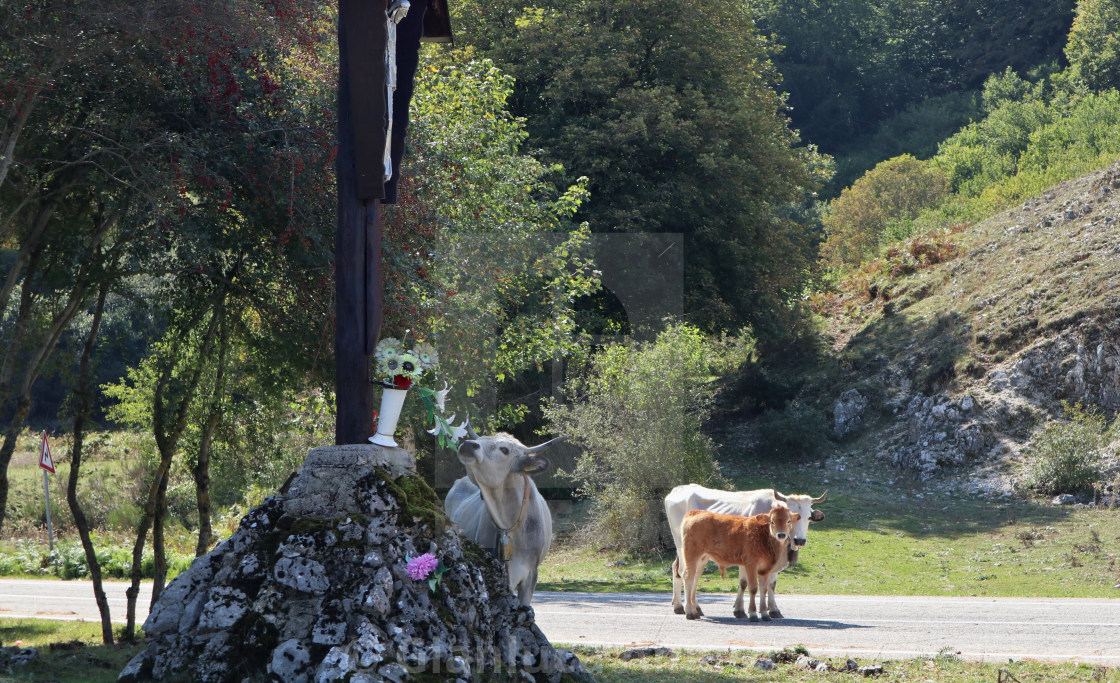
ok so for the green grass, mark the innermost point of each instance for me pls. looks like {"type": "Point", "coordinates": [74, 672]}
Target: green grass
{"type": "Point", "coordinates": [887, 539]}
{"type": "Point", "coordinates": [699, 667]}
{"type": "Point", "coordinates": [77, 654]}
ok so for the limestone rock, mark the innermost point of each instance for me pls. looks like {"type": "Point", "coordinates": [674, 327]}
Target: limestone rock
{"type": "Point", "coordinates": [847, 413]}
{"type": "Point", "coordinates": [313, 587]}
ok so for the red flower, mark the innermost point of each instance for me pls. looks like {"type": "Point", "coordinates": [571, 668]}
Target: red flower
{"type": "Point", "coordinates": [402, 381]}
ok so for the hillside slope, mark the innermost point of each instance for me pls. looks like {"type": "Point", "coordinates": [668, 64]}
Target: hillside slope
{"type": "Point", "coordinates": [954, 367]}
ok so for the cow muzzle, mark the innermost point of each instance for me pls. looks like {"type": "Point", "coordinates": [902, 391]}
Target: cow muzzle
{"type": "Point", "coordinates": [468, 451]}
{"type": "Point", "coordinates": [799, 543]}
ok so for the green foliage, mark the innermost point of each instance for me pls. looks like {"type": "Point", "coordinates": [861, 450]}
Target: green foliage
{"type": "Point", "coordinates": [1065, 457]}
{"type": "Point", "coordinates": [637, 411]}
{"type": "Point", "coordinates": [917, 131]}
{"type": "Point", "coordinates": [850, 65]}
{"type": "Point", "coordinates": [68, 560]}
{"type": "Point", "coordinates": [672, 116]}
{"type": "Point", "coordinates": [507, 260]}
{"type": "Point", "coordinates": [1093, 48]}
{"type": "Point", "coordinates": [861, 219]}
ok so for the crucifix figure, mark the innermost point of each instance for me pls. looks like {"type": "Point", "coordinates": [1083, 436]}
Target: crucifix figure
{"type": "Point", "coordinates": [378, 51]}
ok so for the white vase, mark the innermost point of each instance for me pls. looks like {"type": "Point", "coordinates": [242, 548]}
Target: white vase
{"type": "Point", "coordinates": [392, 400]}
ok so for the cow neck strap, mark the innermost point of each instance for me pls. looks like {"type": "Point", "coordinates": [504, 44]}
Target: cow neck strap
{"type": "Point", "coordinates": [520, 517]}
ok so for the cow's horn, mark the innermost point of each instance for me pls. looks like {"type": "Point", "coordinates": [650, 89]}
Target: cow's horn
{"type": "Point", "coordinates": [546, 444]}
{"type": "Point", "coordinates": [778, 495]}
{"type": "Point", "coordinates": [817, 500]}
{"type": "Point", "coordinates": [470, 429]}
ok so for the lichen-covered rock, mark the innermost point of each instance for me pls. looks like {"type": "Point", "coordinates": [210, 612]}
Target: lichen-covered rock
{"type": "Point", "coordinates": [942, 431]}
{"type": "Point", "coordinates": [847, 413]}
{"type": "Point", "coordinates": [313, 587]}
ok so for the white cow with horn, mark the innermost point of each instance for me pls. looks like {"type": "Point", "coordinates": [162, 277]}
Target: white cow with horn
{"type": "Point", "coordinates": [743, 503]}
{"type": "Point", "coordinates": [498, 505]}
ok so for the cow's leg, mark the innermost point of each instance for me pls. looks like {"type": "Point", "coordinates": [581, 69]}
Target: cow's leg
{"type": "Point", "coordinates": [752, 582]}
{"type": "Point", "coordinates": [522, 579]}
{"type": "Point", "coordinates": [739, 613]}
{"type": "Point", "coordinates": [526, 587]}
{"type": "Point", "coordinates": [764, 595]}
{"type": "Point", "coordinates": [678, 585]}
{"type": "Point", "coordinates": [772, 602]}
{"type": "Point", "coordinates": [691, 578]}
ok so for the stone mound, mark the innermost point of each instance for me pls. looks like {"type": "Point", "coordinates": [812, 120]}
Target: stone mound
{"type": "Point", "coordinates": [313, 586]}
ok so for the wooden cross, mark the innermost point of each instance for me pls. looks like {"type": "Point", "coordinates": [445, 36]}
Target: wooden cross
{"type": "Point", "coordinates": [362, 122]}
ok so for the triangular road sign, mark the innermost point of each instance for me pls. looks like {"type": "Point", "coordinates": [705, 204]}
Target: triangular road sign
{"type": "Point", "coordinates": [45, 459]}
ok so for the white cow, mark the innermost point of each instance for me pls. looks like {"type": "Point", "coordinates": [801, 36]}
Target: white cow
{"type": "Point", "coordinates": [744, 503]}
{"type": "Point", "coordinates": [498, 505]}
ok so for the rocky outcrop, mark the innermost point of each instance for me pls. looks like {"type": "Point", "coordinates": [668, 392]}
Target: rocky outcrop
{"type": "Point", "coordinates": [314, 586]}
{"type": "Point", "coordinates": [847, 413]}
{"type": "Point", "coordinates": [997, 411]}
{"type": "Point", "coordinates": [941, 431]}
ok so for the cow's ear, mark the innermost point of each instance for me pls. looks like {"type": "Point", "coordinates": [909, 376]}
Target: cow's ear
{"type": "Point", "coordinates": [795, 516]}
{"type": "Point", "coordinates": [532, 465]}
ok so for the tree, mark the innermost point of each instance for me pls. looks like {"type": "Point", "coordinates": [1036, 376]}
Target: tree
{"type": "Point", "coordinates": [858, 220]}
{"type": "Point", "coordinates": [484, 259]}
{"type": "Point", "coordinates": [637, 412]}
{"type": "Point", "coordinates": [1093, 48]}
{"type": "Point", "coordinates": [203, 128]}
{"type": "Point", "coordinates": [850, 65]}
{"type": "Point", "coordinates": [672, 115]}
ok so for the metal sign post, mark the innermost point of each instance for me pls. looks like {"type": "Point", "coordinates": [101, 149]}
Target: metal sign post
{"type": "Point", "coordinates": [46, 462]}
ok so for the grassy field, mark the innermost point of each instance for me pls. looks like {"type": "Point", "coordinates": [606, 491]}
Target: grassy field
{"type": "Point", "coordinates": [69, 652]}
{"type": "Point", "coordinates": [882, 537]}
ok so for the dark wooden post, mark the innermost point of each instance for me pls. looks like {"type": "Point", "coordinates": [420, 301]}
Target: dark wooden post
{"type": "Point", "coordinates": [361, 183]}
{"type": "Point", "coordinates": [362, 124]}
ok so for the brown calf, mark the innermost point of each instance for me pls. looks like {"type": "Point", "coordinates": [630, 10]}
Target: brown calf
{"type": "Point", "coordinates": [758, 544]}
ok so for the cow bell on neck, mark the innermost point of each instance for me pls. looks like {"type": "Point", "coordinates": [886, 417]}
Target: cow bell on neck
{"type": "Point", "coordinates": [504, 547]}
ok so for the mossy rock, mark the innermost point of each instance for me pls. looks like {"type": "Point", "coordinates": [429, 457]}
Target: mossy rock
{"type": "Point", "coordinates": [418, 502]}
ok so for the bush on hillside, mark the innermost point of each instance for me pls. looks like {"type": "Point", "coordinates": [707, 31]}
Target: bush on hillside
{"type": "Point", "coordinates": [1066, 454]}
{"type": "Point", "coordinates": [637, 412]}
{"type": "Point", "coordinates": [860, 220]}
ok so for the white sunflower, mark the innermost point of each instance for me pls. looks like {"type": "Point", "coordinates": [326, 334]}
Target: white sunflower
{"type": "Point", "coordinates": [409, 366]}
{"type": "Point", "coordinates": [427, 354]}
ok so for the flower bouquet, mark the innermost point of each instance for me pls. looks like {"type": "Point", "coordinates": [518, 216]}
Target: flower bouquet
{"type": "Point", "coordinates": [400, 369]}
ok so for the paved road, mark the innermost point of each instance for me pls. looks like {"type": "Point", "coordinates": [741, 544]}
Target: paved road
{"type": "Point", "coordinates": [71, 600]}
{"type": "Point", "coordinates": [991, 629]}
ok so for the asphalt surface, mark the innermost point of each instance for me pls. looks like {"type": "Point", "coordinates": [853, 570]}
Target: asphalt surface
{"type": "Point", "coordinates": [988, 629]}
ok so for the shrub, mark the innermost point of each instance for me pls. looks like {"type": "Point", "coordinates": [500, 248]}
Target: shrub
{"type": "Point", "coordinates": [637, 412]}
{"type": "Point", "coordinates": [858, 220]}
{"type": "Point", "coordinates": [1066, 454]}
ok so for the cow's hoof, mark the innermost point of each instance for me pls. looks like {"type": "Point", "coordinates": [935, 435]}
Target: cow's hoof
{"type": "Point", "coordinates": [740, 614]}
{"type": "Point", "coordinates": [693, 615]}
{"type": "Point", "coordinates": [776, 613]}
{"type": "Point", "coordinates": [678, 609]}
{"type": "Point", "coordinates": [754, 617]}
{"type": "Point", "coordinates": [765, 616]}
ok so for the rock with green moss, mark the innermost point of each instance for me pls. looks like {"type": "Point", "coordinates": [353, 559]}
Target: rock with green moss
{"type": "Point", "coordinates": [314, 586]}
